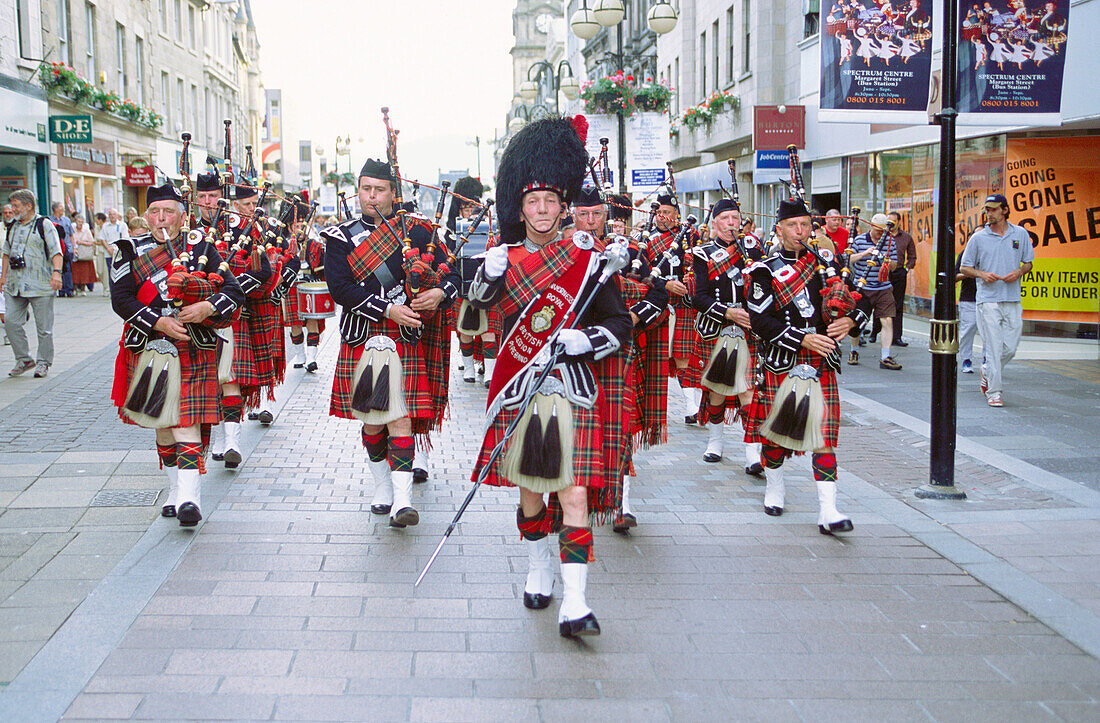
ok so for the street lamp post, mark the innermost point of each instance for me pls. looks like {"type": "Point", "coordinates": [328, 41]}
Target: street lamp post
{"type": "Point", "coordinates": [944, 337]}
{"type": "Point", "coordinates": [561, 79]}
{"type": "Point", "coordinates": [586, 24]}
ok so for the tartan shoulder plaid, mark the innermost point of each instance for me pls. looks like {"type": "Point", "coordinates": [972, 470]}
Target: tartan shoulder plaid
{"type": "Point", "coordinates": [151, 262]}
{"type": "Point", "coordinates": [789, 281]}
{"type": "Point", "coordinates": [531, 275]}
{"type": "Point", "coordinates": [379, 246]}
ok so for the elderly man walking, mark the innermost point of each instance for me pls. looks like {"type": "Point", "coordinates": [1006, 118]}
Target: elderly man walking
{"type": "Point", "coordinates": [30, 277]}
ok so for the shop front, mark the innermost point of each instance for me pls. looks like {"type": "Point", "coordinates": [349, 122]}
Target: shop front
{"type": "Point", "coordinates": [24, 149]}
{"type": "Point", "coordinates": [89, 176]}
{"type": "Point", "coordinates": [1052, 183]}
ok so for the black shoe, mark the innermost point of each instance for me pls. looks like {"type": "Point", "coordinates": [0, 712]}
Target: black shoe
{"type": "Point", "coordinates": [773, 511]}
{"type": "Point", "coordinates": [168, 511]}
{"type": "Point", "coordinates": [873, 338]}
{"type": "Point", "coordinates": [381, 509]}
{"type": "Point", "coordinates": [311, 367]}
{"type": "Point", "coordinates": [624, 522]}
{"type": "Point", "coordinates": [265, 417]}
{"type": "Point", "coordinates": [232, 459]}
{"type": "Point", "coordinates": [405, 517]}
{"type": "Point", "coordinates": [188, 514]}
{"type": "Point", "coordinates": [755, 469]}
{"type": "Point", "coordinates": [583, 627]}
{"type": "Point", "coordinates": [253, 416]}
{"type": "Point", "coordinates": [899, 342]}
{"type": "Point", "coordinates": [420, 476]}
{"type": "Point", "coordinates": [299, 365]}
{"type": "Point", "coordinates": [217, 457]}
{"type": "Point", "coordinates": [691, 419]}
{"type": "Point", "coordinates": [712, 457]}
{"type": "Point", "coordinates": [535, 601]}
{"type": "Point", "coordinates": [833, 527]}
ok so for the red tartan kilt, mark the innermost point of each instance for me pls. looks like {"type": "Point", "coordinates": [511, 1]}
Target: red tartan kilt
{"type": "Point", "coordinates": [700, 355]}
{"type": "Point", "coordinates": [199, 389]}
{"type": "Point", "coordinates": [764, 397]}
{"type": "Point", "coordinates": [588, 457]}
{"type": "Point", "coordinates": [683, 333]}
{"type": "Point", "coordinates": [418, 396]}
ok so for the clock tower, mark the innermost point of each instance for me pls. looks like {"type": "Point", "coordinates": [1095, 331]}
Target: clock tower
{"type": "Point", "coordinates": [531, 27]}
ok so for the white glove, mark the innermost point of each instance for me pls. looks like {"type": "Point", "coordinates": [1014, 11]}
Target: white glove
{"type": "Point", "coordinates": [496, 262]}
{"type": "Point", "coordinates": [575, 341]}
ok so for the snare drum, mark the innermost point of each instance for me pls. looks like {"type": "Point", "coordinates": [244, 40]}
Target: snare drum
{"type": "Point", "coordinates": [314, 301]}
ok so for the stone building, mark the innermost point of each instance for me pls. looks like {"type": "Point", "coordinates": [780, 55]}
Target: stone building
{"type": "Point", "coordinates": [23, 135]}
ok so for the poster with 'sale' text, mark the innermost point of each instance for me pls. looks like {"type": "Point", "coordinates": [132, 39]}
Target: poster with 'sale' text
{"type": "Point", "coordinates": [876, 61]}
{"type": "Point", "coordinates": [1011, 61]}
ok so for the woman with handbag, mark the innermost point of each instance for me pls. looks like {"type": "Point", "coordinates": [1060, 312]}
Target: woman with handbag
{"type": "Point", "coordinates": [84, 273]}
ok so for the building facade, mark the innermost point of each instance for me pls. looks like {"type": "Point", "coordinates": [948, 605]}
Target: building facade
{"type": "Point", "coordinates": [24, 148]}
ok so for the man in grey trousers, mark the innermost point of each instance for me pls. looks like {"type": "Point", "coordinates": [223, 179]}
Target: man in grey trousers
{"type": "Point", "coordinates": [30, 278]}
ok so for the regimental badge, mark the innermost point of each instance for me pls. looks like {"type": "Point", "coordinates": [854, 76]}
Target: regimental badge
{"type": "Point", "coordinates": [542, 319]}
{"type": "Point", "coordinates": [757, 290]}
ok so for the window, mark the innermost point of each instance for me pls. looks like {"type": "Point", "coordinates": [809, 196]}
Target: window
{"type": "Point", "coordinates": [93, 65]}
{"type": "Point", "coordinates": [164, 17]}
{"type": "Point", "coordinates": [165, 98]}
{"type": "Point", "coordinates": [746, 38]}
{"type": "Point", "coordinates": [714, 54]}
{"type": "Point", "coordinates": [194, 125]}
{"type": "Point", "coordinates": [139, 70]}
{"type": "Point", "coordinates": [676, 91]}
{"type": "Point", "coordinates": [192, 27]}
{"type": "Point", "coordinates": [702, 66]}
{"type": "Point", "coordinates": [179, 21]}
{"type": "Point", "coordinates": [120, 52]}
{"type": "Point", "coordinates": [29, 46]}
{"type": "Point", "coordinates": [64, 33]}
{"type": "Point", "coordinates": [182, 100]}
{"type": "Point", "coordinates": [731, 59]}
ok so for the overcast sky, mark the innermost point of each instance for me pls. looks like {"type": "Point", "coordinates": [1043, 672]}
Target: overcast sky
{"type": "Point", "coordinates": [442, 68]}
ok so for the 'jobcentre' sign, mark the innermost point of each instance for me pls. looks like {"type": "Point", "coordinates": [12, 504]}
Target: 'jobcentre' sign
{"type": "Point", "coordinates": [70, 129]}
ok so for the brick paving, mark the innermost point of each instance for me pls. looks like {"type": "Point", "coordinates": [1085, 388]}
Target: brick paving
{"type": "Point", "coordinates": [294, 602]}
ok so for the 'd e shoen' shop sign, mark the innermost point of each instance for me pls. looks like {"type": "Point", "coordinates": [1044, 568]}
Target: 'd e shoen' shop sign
{"type": "Point", "coordinates": [1011, 62]}
{"type": "Point", "coordinates": [876, 59]}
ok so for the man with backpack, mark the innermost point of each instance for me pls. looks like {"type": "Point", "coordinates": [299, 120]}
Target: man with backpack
{"type": "Point", "coordinates": [30, 278]}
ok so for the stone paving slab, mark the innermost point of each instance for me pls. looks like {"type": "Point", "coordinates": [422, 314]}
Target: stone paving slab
{"type": "Point", "coordinates": [294, 602]}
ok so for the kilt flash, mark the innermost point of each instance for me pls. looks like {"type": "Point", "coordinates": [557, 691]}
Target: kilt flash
{"type": "Point", "coordinates": [764, 397]}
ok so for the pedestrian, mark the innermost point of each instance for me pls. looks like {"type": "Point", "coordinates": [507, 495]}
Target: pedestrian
{"type": "Point", "coordinates": [968, 311]}
{"type": "Point", "coordinates": [877, 244]}
{"type": "Point", "coordinates": [131, 214]}
{"type": "Point", "coordinates": [998, 255]}
{"type": "Point", "coordinates": [7, 216]}
{"type": "Point", "coordinates": [801, 356]}
{"type": "Point", "coordinates": [906, 260]}
{"type": "Point", "coordinates": [137, 227]}
{"type": "Point", "coordinates": [84, 274]}
{"type": "Point", "coordinates": [104, 251]}
{"type": "Point", "coordinates": [180, 398]}
{"type": "Point", "coordinates": [65, 234]}
{"type": "Point", "coordinates": [835, 230]}
{"type": "Point", "coordinates": [31, 278]}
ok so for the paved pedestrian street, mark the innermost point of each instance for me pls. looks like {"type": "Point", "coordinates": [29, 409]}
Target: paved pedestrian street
{"type": "Point", "coordinates": [293, 601]}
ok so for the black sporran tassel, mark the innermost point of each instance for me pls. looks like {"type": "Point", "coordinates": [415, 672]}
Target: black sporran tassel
{"type": "Point", "coordinates": [158, 396]}
{"type": "Point", "coordinates": [380, 397]}
{"type": "Point", "coordinates": [730, 376]}
{"type": "Point", "coordinates": [470, 319]}
{"type": "Point", "coordinates": [141, 392]}
{"type": "Point", "coordinates": [801, 418]}
{"type": "Point", "coordinates": [783, 422]}
{"type": "Point", "coordinates": [362, 392]}
{"type": "Point", "coordinates": [551, 448]}
{"type": "Point", "coordinates": [530, 462]}
{"type": "Point", "coordinates": [717, 370]}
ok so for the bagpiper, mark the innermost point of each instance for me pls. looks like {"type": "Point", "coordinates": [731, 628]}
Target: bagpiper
{"type": "Point", "coordinates": [798, 402]}
{"type": "Point", "coordinates": [570, 438]}
{"type": "Point", "coordinates": [724, 355]}
{"type": "Point", "coordinates": [476, 328]}
{"type": "Point", "coordinates": [171, 290]}
{"type": "Point", "coordinates": [391, 372]}
{"type": "Point", "coordinates": [311, 253]}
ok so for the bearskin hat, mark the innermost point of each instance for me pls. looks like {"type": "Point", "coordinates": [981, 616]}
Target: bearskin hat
{"type": "Point", "coordinates": [620, 208]}
{"type": "Point", "coordinates": [467, 187]}
{"type": "Point", "coordinates": [547, 154]}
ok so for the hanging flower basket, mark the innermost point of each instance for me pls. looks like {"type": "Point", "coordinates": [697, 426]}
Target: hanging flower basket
{"type": "Point", "coordinates": [620, 93]}
{"type": "Point", "coordinates": [61, 79]}
{"type": "Point", "coordinates": [704, 113]}
{"type": "Point", "coordinates": [653, 97]}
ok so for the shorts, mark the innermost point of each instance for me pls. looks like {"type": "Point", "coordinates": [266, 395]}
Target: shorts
{"type": "Point", "coordinates": [882, 302]}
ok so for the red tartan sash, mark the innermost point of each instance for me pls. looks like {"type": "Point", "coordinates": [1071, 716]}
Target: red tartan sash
{"type": "Point", "coordinates": [379, 246]}
{"type": "Point", "coordinates": [149, 263]}
{"type": "Point", "coordinates": [557, 275]}
{"type": "Point", "coordinates": [721, 268]}
{"type": "Point", "coordinates": [789, 281]}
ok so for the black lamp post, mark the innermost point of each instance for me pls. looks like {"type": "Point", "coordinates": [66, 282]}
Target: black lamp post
{"type": "Point", "coordinates": [561, 79]}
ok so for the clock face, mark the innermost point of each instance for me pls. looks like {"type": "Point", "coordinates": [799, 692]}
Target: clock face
{"type": "Point", "coordinates": [542, 22]}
